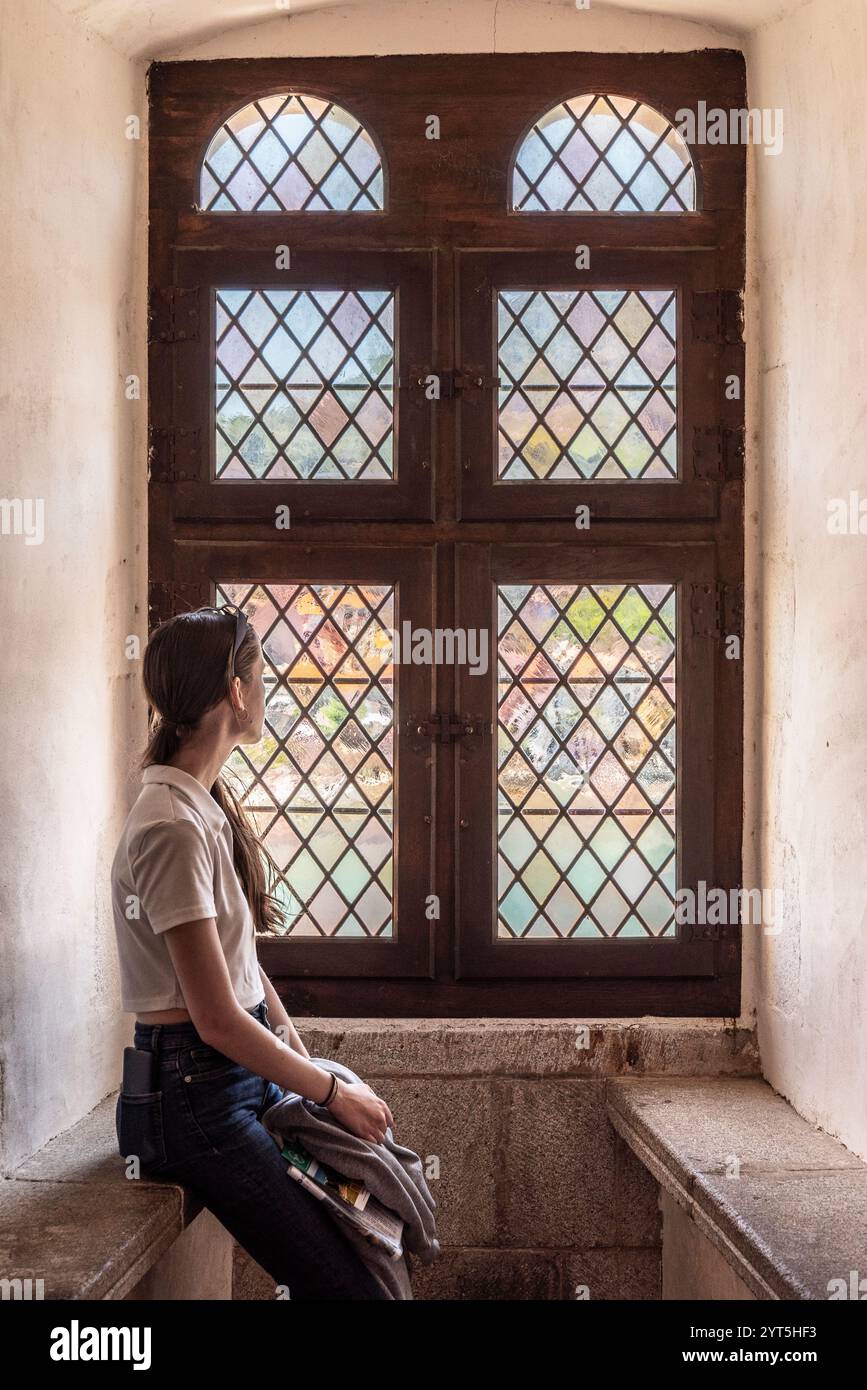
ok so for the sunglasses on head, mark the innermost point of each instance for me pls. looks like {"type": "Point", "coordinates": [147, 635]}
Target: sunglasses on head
{"type": "Point", "coordinates": [242, 623]}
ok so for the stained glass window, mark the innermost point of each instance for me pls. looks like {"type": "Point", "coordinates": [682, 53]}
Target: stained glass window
{"type": "Point", "coordinates": [586, 781]}
{"type": "Point", "coordinates": [292, 153]}
{"type": "Point", "coordinates": [304, 383]}
{"type": "Point", "coordinates": [603, 154]}
{"type": "Point", "coordinates": [588, 384]}
{"type": "Point", "coordinates": [319, 786]}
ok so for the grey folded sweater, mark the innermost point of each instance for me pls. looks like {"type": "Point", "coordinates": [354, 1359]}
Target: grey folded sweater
{"type": "Point", "coordinates": [391, 1172]}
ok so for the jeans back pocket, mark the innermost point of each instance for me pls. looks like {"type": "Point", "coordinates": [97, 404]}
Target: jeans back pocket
{"type": "Point", "coordinates": [139, 1126]}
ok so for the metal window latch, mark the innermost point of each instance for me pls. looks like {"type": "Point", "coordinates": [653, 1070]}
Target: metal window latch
{"type": "Point", "coordinates": [452, 380]}
{"type": "Point", "coordinates": [447, 728]}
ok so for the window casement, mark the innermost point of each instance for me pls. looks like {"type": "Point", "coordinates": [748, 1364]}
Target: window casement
{"type": "Point", "coordinates": [459, 423]}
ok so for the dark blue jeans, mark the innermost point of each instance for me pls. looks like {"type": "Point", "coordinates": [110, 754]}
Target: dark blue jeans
{"type": "Point", "coordinates": [201, 1127]}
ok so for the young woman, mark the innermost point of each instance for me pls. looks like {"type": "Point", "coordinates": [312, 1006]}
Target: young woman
{"type": "Point", "coordinates": [189, 892]}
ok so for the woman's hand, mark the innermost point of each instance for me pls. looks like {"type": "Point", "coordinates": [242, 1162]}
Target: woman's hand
{"type": "Point", "coordinates": [361, 1110]}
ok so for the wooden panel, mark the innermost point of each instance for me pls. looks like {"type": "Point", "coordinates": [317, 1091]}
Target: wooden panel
{"type": "Point", "coordinates": [485, 103]}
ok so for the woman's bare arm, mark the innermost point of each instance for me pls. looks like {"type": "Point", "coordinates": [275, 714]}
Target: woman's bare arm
{"type": "Point", "coordinates": [278, 1017]}
{"type": "Point", "coordinates": [200, 966]}
{"type": "Point", "coordinates": [199, 963]}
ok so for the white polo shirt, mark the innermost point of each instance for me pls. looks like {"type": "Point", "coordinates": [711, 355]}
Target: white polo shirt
{"type": "Point", "coordinates": [174, 864]}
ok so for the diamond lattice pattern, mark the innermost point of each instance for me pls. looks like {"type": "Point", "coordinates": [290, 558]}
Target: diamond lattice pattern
{"type": "Point", "coordinates": [603, 154]}
{"type": "Point", "coordinates": [319, 786]}
{"type": "Point", "coordinates": [586, 781]}
{"type": "Point", "coordinates": [588, 385]}
{"type": "Point", "coordinates": [292, 153]}
{"type": "Point", "coordinates": [305, 384]}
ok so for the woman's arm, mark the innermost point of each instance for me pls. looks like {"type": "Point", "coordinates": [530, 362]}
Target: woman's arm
{"type": "Point", "coordinates": [278, 1017]}
{"type": "Point", "coordinates": [203, 975]}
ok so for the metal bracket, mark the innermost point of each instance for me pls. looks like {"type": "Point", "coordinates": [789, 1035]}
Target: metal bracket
{"type": "Point", "coordinates": [173, 315]}
{"type": "Point", "coordinates": [717, 316]}
{"type": "Point", "coordinates": [718, 454]}
{"type": "Point", "coordinates": [733, 610]}
{"type": "Point", "coordinates": [167, 449]}
{"type": "Point", "coordinates": [716, 610]}
{"type": "Point", "coordinates": [447, 728]}
{"type": "Point", "coordinates": [452, 380]}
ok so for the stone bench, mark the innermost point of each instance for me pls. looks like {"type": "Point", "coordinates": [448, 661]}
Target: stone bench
{"type": "Point", "coordinates": [71, 1218]}
{"type": "Point", "coordinates": [481, 1100]}
{"type": "Point", "coordinates": [757, 1202]}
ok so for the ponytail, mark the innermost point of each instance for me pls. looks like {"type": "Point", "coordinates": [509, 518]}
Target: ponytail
{"type": "Point", "coordinates": [187, 666]}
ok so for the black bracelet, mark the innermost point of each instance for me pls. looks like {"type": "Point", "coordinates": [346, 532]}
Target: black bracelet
{"type": "Point", "coordinates": [329, 1098]}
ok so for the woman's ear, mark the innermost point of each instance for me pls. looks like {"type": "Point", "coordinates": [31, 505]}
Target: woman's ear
{"type": "Point", "coordinates": [236, 695]}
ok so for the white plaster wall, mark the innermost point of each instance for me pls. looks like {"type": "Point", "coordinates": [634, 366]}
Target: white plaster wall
{"type": "Point", "coordinates": [154, 27]}
{"type": "Point", "coordinates": [71, 288]}
{"type": "Point", "coordinates": [808, 770]}
{"type": "Point", "coordinates": [456, 26]}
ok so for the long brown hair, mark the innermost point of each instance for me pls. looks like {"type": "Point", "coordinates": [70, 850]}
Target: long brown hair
{"type": "Point", "coordinates": [187, 670]}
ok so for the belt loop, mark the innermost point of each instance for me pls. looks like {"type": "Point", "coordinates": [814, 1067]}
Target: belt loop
{"type": "Point", "coordinates": [155, 1037]}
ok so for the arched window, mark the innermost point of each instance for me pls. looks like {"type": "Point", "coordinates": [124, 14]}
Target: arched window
{"type": "Point", "coordinates": [292, 153]}
{"type": "Point", "coordinates": [603, 154]}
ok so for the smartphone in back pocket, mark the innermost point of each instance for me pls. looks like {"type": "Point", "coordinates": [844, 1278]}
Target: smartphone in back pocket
{"type": "Point", "coordinates": [139, 1072]}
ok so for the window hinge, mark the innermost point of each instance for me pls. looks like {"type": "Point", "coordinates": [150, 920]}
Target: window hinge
{"type": "Point", "coordinates": [173, 315]}
{"type": "Point", "coordinates": [451, 380]}
{"type": "Point", "coordinates": [717, 610]}
{"type": "Point", "coordinates": [165, 598]}
{"type": "Point", "coordinates": [717, 316]}
{"type": "Point", "coordinates": [447, 728]}
{"type": "Point", "coordinates": [173, 455]}
{"type": "Point", "coordinates": [718, 454]}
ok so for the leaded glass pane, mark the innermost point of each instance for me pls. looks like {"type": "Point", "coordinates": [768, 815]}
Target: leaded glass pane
{"type": "Point", "coordinates": [588, 385]}
{"type": "Point", "coordinates": [603, 154]}
{"type": "Point", "coordinates": [292, 153]}
{"type": "Point", "coordinates": [304, 384]}
{"type": "Point", "coordinates": [587, 761]}
{"type": "Point", "coordinates": [319, 786]}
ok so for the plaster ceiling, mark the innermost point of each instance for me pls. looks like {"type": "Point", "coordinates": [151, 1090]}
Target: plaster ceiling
{"type": "Point", "coordinates": [148, 27]}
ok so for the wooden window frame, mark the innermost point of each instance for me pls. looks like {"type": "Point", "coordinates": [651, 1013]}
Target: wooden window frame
{"type": "Point", "coordinates": [448, 219]}
{"type": "Point", "coordinates": [182, 442]}
{"type": "Point", "coordinates": [480, 570]}
{"type": "Point", "coordinates": [702, 367]}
